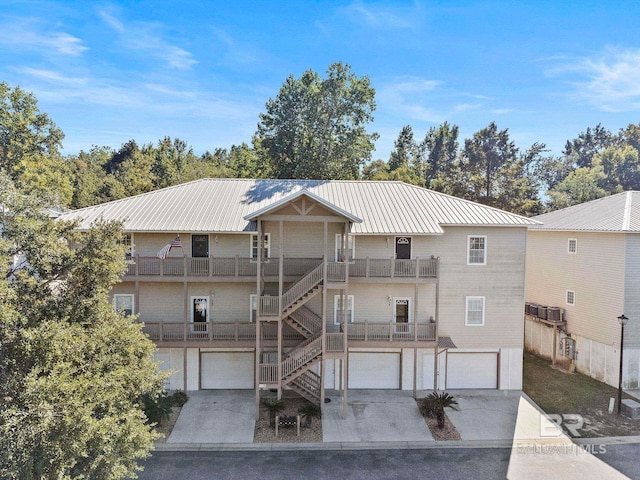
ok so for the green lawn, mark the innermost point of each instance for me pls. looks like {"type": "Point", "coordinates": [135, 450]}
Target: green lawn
{"type": "Point", "coordinates": [558, 392]}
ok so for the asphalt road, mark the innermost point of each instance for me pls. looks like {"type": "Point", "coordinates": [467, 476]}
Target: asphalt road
{"type": "Point", "coordinates": [445, 463]}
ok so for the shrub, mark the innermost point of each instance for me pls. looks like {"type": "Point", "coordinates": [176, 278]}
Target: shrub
{"type": "Point", "coordinates": [157, 408]}
{"type": "Point", "coordinates": [179, 398]}
{"type": "Point", "coordinates": [310, 411]}
{"type": "Point", "coordinates": [274, 406]}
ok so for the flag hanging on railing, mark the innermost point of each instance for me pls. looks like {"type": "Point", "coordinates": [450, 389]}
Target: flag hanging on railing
{"type": "Point", "coordinates": [175, 243]}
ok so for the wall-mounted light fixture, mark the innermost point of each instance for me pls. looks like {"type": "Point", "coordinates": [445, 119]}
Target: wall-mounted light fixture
{"type": "Point", "coordinates": [216, 239]}
{"type": "Point", "coordinates": [389, 299]}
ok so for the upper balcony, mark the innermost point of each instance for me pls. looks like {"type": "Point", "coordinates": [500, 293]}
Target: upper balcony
{"type": "Point", "coordinates": [243, 268]}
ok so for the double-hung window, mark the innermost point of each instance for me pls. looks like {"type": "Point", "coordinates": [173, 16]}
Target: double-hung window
{"type": "Point", "coordinates": [123, 303]}
{"type": "Point", "coordinates": [475, 312]}
{"type": "Point", "coordinates": [127, 242]}
{"type": "Point", "coordinates": [349, 252]}
{"type": "Point", "coordinates": [572, 245]}
{"type": "Point", "coordinates": [337, 309]}
{"type": "Point", "coordinates": [266, 246]}
{"type": "Point", "coordinates": [477, 250]}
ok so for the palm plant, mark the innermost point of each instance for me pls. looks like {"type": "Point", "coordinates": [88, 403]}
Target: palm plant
{"type": "Point", "coordinates": [274, 406]}
{"type": "Point", "coordinates": [310, 411]}
{"type": "Point", "coordinates": [434, 405]}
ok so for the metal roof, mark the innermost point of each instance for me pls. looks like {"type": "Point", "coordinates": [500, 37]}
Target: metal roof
{"type": "Point", "coordinates": [616, 213]}
{"type": "Point", "coordinates": [224, 205]}
{"type": "Point", "coordinates": [283, 201]}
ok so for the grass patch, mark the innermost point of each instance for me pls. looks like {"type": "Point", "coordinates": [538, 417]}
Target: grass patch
{"type": "Point", "coordinates": [557, 392]}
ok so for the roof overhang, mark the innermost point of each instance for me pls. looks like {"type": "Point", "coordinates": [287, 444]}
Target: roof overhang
{"type": "Point", "coordinates": [294, 196]}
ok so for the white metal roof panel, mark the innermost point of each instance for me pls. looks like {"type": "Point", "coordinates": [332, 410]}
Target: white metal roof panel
{"type": "Point", "coordinates": [615, 213]}
{"type": "Point", "coordinates": [221, 205]}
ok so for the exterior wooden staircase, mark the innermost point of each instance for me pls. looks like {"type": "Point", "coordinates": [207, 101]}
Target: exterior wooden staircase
{"type": "Point", "coordinates": [297, 363]}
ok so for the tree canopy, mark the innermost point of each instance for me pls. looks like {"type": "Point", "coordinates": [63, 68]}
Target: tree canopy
{"type": "Point", "coordinates": [315, 127]}
{"type": "Point", "coordinates": [72, 370]}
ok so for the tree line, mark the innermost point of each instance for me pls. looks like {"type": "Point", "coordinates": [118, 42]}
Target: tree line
{"type": "Point", "coordinates": [316, 127]}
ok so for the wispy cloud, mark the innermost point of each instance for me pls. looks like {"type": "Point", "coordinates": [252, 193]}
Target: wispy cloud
{"type": "Point", "coordinates": [609, 80]}
{"type": "Point", "coordinates": [152, 98]}
{"type": "Point", "coordinates": [149, 38]}
{"type": "Point", "coordinates": [380, 15]}
{"type": "Point", "coordinates": [425, 100]}
{"type": "Point", "coordinates": [25, 33]}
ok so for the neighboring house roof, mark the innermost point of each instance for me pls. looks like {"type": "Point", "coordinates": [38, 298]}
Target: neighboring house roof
{"type": "Point", "coordinates": [228, 205]}
{"type": "Point", "coordinates": [616, 213]}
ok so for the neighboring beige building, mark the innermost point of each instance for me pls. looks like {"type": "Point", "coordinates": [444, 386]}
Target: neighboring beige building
{"type": "Point", "coordinates": [362, 284]}
{"type": "Point", "coordinates": [586, 260]}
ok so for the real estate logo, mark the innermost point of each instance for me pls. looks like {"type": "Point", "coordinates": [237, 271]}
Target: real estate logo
{"type": "Point", "coordinates": [552, 425]}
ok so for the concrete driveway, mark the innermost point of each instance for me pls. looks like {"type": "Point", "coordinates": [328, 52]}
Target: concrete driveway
{"type": "Point", "coordinates": [374, 416]}
{"type": "Point", "coordinates": [485, 414]}
{"type": "Point", "coordinates": [216, 416]}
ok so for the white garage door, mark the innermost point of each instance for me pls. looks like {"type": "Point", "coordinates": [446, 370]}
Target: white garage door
{"type": "Point", "coordinates": [226, 370]}
{"type": "Point", "coordinates": [472, 370]}
{"type": "Point", "coordinates": [374, 370]}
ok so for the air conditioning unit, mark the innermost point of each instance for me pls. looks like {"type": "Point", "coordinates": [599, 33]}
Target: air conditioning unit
{"type": "Point", "coordinates": [554, 314]}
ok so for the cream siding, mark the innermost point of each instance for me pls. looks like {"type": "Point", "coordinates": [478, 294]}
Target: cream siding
{"type": "Point", "coordinates": [228, 302]}
{"type": "Point", "coordinates": [371, 302]}
{"type": "Point", "coordinates": [161, 302]}
{"type": "Point", "coordinates": [632, 291]}
{"type": "Point", "coordinates": [595, 273]}
{"type": "Point", "coordinates": [500, 281]}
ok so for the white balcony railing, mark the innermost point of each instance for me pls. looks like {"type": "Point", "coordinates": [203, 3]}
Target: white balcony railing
{"type": "Point", "coordinates": [293, 267]}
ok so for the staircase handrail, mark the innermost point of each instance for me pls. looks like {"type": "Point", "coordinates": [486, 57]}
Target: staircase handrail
{"type": "Point", "coordinates": [301, 356]}
{"type": "Point", "coordinates": [307, 318]}
{"type": "Point", "coordinates": [302, 286]}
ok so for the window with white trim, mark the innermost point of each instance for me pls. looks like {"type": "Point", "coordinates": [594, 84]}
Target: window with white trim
{"type": "Point", "coordinates": [572, 245]}
{"type": "Point", "coordinates": [571, 297]}
{"type": "Point", "coordinates": [337, 309]}
{"type": "Point", "coordinates": [477, 250]}
{"type": "Point", "coordinates": [253, 307]}
{"type": "Point", "coordinates": [475, 312]}
{"type": "Point", "coordinates": [350, 251]}
{"type": "Point", "coordinates": [127, 242]}
{"type": "Point", "coordinates": [123, 303]}
{"type": "Point", "coordinates": [266, 246]}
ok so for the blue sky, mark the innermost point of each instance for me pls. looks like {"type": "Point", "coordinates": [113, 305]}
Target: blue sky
{"type": "Point", "coordinates": [202, 71]}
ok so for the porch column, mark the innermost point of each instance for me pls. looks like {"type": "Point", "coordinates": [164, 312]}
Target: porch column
{"type": "Point", "coordinates": [415, 372]}
{"type": "Point", "coordinates": [344, 298]}
{"type": "Point", "coordinates": [345, 365]}
{"type": "Point", "coordinates": [323, 313]}
{"type": "Point", "coordinates": [137, 298]}
{"type": "Point", "coordinates": [258, 333]}
{"type": "Point", "coordinates": [280, 292]}
{"type": "Point", "coordinates": [435, 357]}
{"type": "Point", "coordinates": [184, 369]}
{"type": "Point", "coordinates": [185, 295]}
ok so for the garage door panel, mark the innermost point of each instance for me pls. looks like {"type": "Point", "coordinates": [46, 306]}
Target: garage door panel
{"type": "Point", "coordinates": [374, 370]}
{"type": "Point", "coordinates": [472, 370]}
{"type": "Point", "coordinates": [226, 370]}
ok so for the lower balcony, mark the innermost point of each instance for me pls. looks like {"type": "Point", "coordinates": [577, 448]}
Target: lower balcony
{"type": "Point", "coordinates": [244, 333]}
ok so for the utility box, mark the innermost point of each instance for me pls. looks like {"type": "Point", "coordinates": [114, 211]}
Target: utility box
{"type": "Point", "coordinates": [568, 347]}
